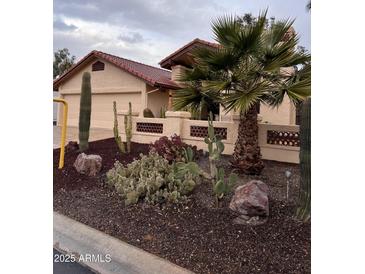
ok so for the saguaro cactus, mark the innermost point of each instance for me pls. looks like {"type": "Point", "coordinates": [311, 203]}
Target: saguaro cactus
{"type": "Point", "coordinates": [117, 138]}
{"type": "Point", "coordinates": [128, 127]}
{"type": "Point", "coordinates": [85, 112]}
{"type": "Point", "coordinates": [303, 211]}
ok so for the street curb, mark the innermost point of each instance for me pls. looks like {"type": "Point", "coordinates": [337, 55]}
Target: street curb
{"type": "Point", "coordinates": [73, 237]}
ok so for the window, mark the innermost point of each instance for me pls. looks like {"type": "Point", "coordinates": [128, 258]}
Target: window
{"type": "Point", "coordinates": [98, 66]}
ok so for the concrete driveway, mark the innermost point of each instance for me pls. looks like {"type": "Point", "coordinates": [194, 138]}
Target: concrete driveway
{"type": "Point", "coordinates": [73, 135]}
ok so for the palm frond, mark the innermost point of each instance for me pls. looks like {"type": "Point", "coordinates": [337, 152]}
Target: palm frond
{"type": "Point", "coordinates": [244, 99]}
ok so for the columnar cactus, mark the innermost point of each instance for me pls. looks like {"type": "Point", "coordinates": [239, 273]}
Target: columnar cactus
{"type": "Point", "coordinates": [128, 127]}
{"type": "Point", "coordinates": [117, 138]}
{"type": "Point", "coordinates": [163, 112]}
{"type": "Point", "coordinates": [303, 211]}
{"type": "Point", "coordinates": [85, 112]}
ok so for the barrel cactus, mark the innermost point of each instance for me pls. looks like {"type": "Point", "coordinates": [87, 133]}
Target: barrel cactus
{"type": "Point", "coordinates": [85, 112]}
{"type": "Point", "coordinates": [303, 211]}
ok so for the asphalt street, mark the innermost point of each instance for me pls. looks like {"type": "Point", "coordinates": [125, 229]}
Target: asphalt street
{"type": "Point", "coordinates": [68, 267]}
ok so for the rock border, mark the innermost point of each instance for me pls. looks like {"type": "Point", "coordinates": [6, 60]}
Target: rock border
{"type": "Point", "coordinates": [72, 237]}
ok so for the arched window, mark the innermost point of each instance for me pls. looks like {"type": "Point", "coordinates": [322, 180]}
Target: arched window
{"type": "Point", "coordinates": [98, 66]}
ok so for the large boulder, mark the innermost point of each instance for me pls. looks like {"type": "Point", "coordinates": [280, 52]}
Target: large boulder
{"type": "Point", "coordinates": [88, 164]}
{"type": "Point", "coordinates": [251, 200]}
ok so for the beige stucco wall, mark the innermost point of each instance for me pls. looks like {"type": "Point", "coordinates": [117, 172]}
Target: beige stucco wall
{"type": "Point", "coordinates": [179, 123]}
{"type": "Point", "coordinates": [108, 85]}
{"type": "Point", "coordinates": [283, 115]}
{"type": "Point", "coordinates": [156, 100]}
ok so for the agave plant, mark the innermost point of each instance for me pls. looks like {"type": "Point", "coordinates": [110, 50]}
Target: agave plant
{"type": "Point", "coordinates": [246, 70]}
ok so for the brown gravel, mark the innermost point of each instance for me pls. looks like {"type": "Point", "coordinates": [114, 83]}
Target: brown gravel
{"type": "Point", "coordinates": [194, 235]}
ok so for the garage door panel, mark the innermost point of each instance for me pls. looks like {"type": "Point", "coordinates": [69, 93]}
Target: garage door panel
{"type": "Point", "coordinates": [102, 107]}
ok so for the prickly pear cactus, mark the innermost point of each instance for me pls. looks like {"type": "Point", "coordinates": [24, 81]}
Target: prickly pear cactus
{"type": "Point", "coordinates": [215, 147]}
{"type": "Point", "coordinates": [153, 179]}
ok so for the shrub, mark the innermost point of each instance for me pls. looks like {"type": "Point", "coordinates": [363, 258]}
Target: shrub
{"type": "Point", "coordinates": [173, 149]}
{"type": "Point", "coordinates": [153, 179]}
{"type": "Point", "coordinates": [147, 113]}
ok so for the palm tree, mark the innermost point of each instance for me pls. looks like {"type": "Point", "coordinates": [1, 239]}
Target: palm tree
{"type": "Point", "coordinates": [244, 71]}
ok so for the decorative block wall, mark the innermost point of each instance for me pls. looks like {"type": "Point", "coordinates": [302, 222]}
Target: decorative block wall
{"type": "Point", "coordinates": [283, 138]}
{"type": "Point", "coordinates": [149, 127]}
{"type": "Point", "coordinates": [202, 132]}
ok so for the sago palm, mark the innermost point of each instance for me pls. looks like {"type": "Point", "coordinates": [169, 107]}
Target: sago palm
{"type": "Point", "coordinates": [246, 70]}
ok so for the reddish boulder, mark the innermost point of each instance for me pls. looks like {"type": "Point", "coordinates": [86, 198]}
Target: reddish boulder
{"type": "Point", "coordinates": [251, 199]}
{"type": "Point", "coordinates": [88, 164]}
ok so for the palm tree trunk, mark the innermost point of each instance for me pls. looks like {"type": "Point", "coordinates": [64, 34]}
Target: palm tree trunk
{"type": "Point", "coordinates": [247, 155]}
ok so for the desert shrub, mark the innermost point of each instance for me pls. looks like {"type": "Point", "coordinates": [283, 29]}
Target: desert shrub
{"type": "Point", "coordinates": [174, 149]}
{"type": "Point", "coordinates": [153, 179]}
{"type": "Point", "coordinates": [147, 113]}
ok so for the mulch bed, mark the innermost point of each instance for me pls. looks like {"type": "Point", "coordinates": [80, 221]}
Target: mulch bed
{"type": "Point", "coordinates": [194, 235]}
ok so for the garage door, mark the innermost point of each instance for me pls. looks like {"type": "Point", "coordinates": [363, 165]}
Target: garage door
{"type": "Point", "coordinates": [102, 107]}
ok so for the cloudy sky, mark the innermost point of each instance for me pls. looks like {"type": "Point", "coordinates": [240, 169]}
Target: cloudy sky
{"type": "Point", "coordinates": [147, 31]}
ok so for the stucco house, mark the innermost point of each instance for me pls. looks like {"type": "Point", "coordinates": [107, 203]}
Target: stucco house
{"type": "Point", "coordinates": [118, 79]}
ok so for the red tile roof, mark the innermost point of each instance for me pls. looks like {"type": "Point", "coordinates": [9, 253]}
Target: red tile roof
{"type": "Point", "coordinates": [166, 62]}
{"type": "Point", "coordinates": [152, 75]}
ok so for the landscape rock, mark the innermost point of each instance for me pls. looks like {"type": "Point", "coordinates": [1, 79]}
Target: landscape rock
{"type": "Point", "coordinates": [251, 200]}
{"type": "Point", "coordinates": [88, 164]}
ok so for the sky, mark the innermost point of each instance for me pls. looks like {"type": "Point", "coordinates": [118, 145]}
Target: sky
{"type": "Point", "coordinates": [148, 31]}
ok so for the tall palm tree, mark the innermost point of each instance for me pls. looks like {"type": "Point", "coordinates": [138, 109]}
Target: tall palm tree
{"type": "Point", "coordinates": [244, 71]}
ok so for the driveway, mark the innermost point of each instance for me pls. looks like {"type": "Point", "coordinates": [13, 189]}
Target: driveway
{"type": "Point", "coordinates": [72, 134]}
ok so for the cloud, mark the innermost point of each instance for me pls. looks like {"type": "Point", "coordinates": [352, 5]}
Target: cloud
{"type": "Point", "coordinates": [62, 26]}
{"type": "Point", "coordinates": [148, 31]}
{"type": "Point", "coordinates": [132, 38]}
{"type": "Point", "coordinates": [171, 18]}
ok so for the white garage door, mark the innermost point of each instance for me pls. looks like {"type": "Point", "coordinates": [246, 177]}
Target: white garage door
{"type": "Point", "coordinates": [101, 108]}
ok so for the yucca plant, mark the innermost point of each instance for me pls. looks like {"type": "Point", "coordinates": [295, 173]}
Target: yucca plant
{"type": "Point", "coordinates": [246, 70]}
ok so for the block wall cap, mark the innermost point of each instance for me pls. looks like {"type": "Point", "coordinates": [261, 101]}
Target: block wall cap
{"type": "Point", "coordinates": [178, 114]}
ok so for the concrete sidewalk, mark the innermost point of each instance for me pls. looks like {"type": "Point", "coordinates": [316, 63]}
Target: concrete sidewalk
{"type": "Point", "coordinates": [115, 256]}
{"type": "Point", "coordinates": [72, 134]}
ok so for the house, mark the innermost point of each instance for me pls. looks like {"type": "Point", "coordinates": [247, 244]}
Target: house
{"type": "Point", "coordinates": [118, 79]}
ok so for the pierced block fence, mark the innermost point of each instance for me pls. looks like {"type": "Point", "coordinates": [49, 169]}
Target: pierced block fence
{"type": "Point", "coordinates": [277, 142]}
